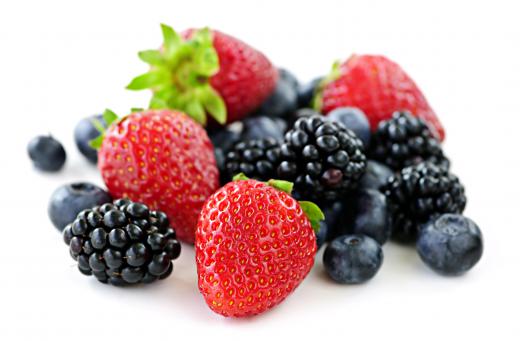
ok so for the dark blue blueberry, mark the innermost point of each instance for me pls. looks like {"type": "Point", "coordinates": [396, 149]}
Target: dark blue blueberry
{"type": "Point", "coordinates": [225, 138]}
{"type": "Point", "coordinates": [69, 200]}
{"type": "Point", "coordinates": [376, 175]}
{"type": "Point", "coordinates": [281, 102]}
{"type": "Point", "coordinates": [46, 153]}
{"type": "Point", "coordinates": [352, 259]}
{"type": "Point", "coordinates": [450, 244]}
{"type": "Point", "coordinates": [85, 132]}
{"type": "Point", "coordinates": [353, 119]}
{"type": "Point", "coordinates": [306, 93]}
{"type": "Point", "coordinates": [289, 77]}
{"type": "Point", "coordinates": [260, 127]}
{"type": "Point", "coordinates": [332, 212]}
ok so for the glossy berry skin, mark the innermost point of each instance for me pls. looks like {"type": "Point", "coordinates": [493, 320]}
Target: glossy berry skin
{"type": "Point", "coordinates": [307, 91]}
{"type": "Point", "coordinates": [282, 101]}
{"type": "Point", "coordinates": [289, 77]}
{"type": "Point", "coordinates": [419, 193]}
{"type": "Point", "coordinates": [257, 159]}
{"type": "Point", "coordinates": [84, 132]}
{"type": "Point", "coordinates": [379, 87]}
{"type": "Point", "coordinates": [353, 119]}
{"type": "Point", "coordinates": [376, 175]}
{"type": "Point", "coordinates": [254, 246]}
{"type": "Point", "coordinates": [70, 199]}
{"type": "Point", "coordinates": [405, 140]}
{"type": "Point", "coordinates": [352, 259]}
{"type": "Point", "coordinates": [46, 153]}
{"type": "Point", "coordinates": [322, 158]}
{"type": "Point", "coordinates": [450, 244]}
{"type": "Point", "coordinates": [245, 77]}
{"type": "Point", "coordinates": [366, 212]}
{"type": "Point", "coordinates": [123, 243]}
{"type": "Point", "coordinates": [164, 159]}
{"type": "Point", "coordinates": [333, 211]}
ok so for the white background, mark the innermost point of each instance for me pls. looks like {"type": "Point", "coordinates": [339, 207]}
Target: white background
{"type": "Point", "coordinates": [62, 60]}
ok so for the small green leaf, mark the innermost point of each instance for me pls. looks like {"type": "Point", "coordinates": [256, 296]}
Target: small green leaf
{"type": "Point", "coordinates": [109, 117]}
{"type": "Point", "coordinates": [313, 213]}
{"type": "Point", "coordinates": [281, 185]}
{"type": "Point", "coordinates": [152, 57]}
{"type": "Point", "coordinates": [136, 109]}
{"type": "Point", "coordinates": [214, 104]}
{"type": "Point", "coordinates": [195, 110]}
{"type": "Point", "coordinates": [334, 74]}
{"type": "Point", "coordinates": [172, 40]}
{"type": "Point", "coordinates": [240, 176]}
{"type": "Point", "coordinates": [98, 125]}
{"type": "Point", "coordinates": [149, 80]}
{"type": "Point", "coordinates": [97, 142]}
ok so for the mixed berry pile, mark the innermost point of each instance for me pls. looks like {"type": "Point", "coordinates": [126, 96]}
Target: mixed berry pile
{"type": "Point", "coordinates": [258, 172]}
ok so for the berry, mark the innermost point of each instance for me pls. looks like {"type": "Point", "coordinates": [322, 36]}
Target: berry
{"type": "Point", "coordinates": [282, 101]}
{"type": "Point", "coordinates": [352, 259]}
{"type": "Point", "coordinates": [85, 132]}
{"type": "Point", "coordinates": [231, 80]}
{"type": "Point", "coordinates": [366, 212]}
{"type": "Point", "coordinates": [254, 246]}
{"type": "Point", "coordinates": [67, 201]}
{"type": "Point", "coordinates": [405, 140]}
{"type": "Point", "coordinates": [377, 86]}
{"type": "Point", "coordinates": [163, 159]}
{"type": "Point", "coordinates": [303, 112]}
{"type": "Point", "coordinates": [113, 251]}
{"type": "Point", "coordinates": [375, 176]}
{"type": "Point", "coordinates": [450, 244]}
{"type": "Point", "coordinates": [306, 92]}
{"type": "Point", "coordinates": [353, 119]}
{"type": "Point", "coordinates": [46, 153]}
{"type": "Point", "coordinates": [417, 194]}
{"type": "Point", "coordinates": [257, 159]}
{"type": "Point", "coordinates": [332, 212]}
{"type": "Point", "coordinates": [262, 127]}
{"type": "Point", "coordinates": [323, 159]}
{"type": "Point", "coordinates": [289, 77]}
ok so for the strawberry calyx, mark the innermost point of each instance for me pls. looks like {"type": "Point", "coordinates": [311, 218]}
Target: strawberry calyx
{"type": "Point", "coordinates": [110, 118]}
{"type": "Point", "coordinates": [311, 210]}
{"type": "Point", "coordinates": [335, 73]}
{"type": "Point", "coordinates": [179, 75]}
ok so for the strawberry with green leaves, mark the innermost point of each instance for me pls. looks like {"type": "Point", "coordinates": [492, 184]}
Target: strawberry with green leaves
{"type": "Point", "coordinates": [254, 245]}
{"type": "Point", "coordinates": [205, 71]}
{"type": "Point", "coordinates": [161, 158]}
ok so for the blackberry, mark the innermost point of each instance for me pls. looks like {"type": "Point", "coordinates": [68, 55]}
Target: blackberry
{"type": "Point", "coordinates": [405, 140]}
{"type": "Point", "coordinates": [123, 243]}
{"type": "Point", "coordinates": [257, 159]}
{"type": "Point", "coordinates": [419, 193]}
{"type": "Point", "coordinates": [323, 159]}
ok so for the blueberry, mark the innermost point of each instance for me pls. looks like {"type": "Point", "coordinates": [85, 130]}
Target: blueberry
{"type": "Point", "coordinates": [69, 200]}
{"type": "Point", "coordinates": [47, 153]}
{"type": "Point", "coordinates": [306, 92]}
{"type": "Point", "coordinates": [332, 212]}
{"type": "Point", "coordinates": [376, 175]}
{"type": "Point", "coordinates": [261, 127]}
{"type": "Point", "coordinates": [366, 212]}
{"type": "Point", "coordinates": [225, 138]}
{"type": "Point", "coordinates": [289, 77]}
{"type": "Point", "coordinates": [281, 102]}
{"type": "Point", "coordinates": [355, 120]}
{"type": "Point", "coordinates": [85, 132]}
{"type": "Point", "coordinates": [352, 259]}
{"type": "Point", "coordinates": [451, 244]}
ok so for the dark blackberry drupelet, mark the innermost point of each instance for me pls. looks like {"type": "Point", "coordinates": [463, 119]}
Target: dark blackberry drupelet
{"type": "Point", "coordinates": [257, 159]}
{"type": "Point", "coordinates": [405, 140]}
{"type": "Point", "coordinates": [419, 193]}
{"type": "Point", "coordinates": [123, 243]}
{"type": "Point", "coordinates": [323, 159]}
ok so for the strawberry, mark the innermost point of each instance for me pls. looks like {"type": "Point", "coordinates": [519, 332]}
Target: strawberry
{"type": "Point", "coordinates": [379, 87]}
{"type": "Point", "coordinates": [206, 71]}
{"type": "Point", "coordinates": [254, 245]}
{"type": "Point", "coordinates": [161, 158]}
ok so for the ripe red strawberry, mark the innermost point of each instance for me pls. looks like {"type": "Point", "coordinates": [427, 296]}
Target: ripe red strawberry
{"type": "Point", "coordinates": [254, 245]}
{"type": "Point", "coordinates": [203, 71]}
{"type": "Point", "coordinates": [161, 158]}
{"type": "Point", "coordinates": [379, 87]}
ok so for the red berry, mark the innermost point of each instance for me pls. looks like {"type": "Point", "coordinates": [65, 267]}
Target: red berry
{"type": "Point", "coordinates": [254, 245]}
{"type": "Point", "coordinates": [379, 87]}
{"type": "Point", "coordinates": [164, 159]}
